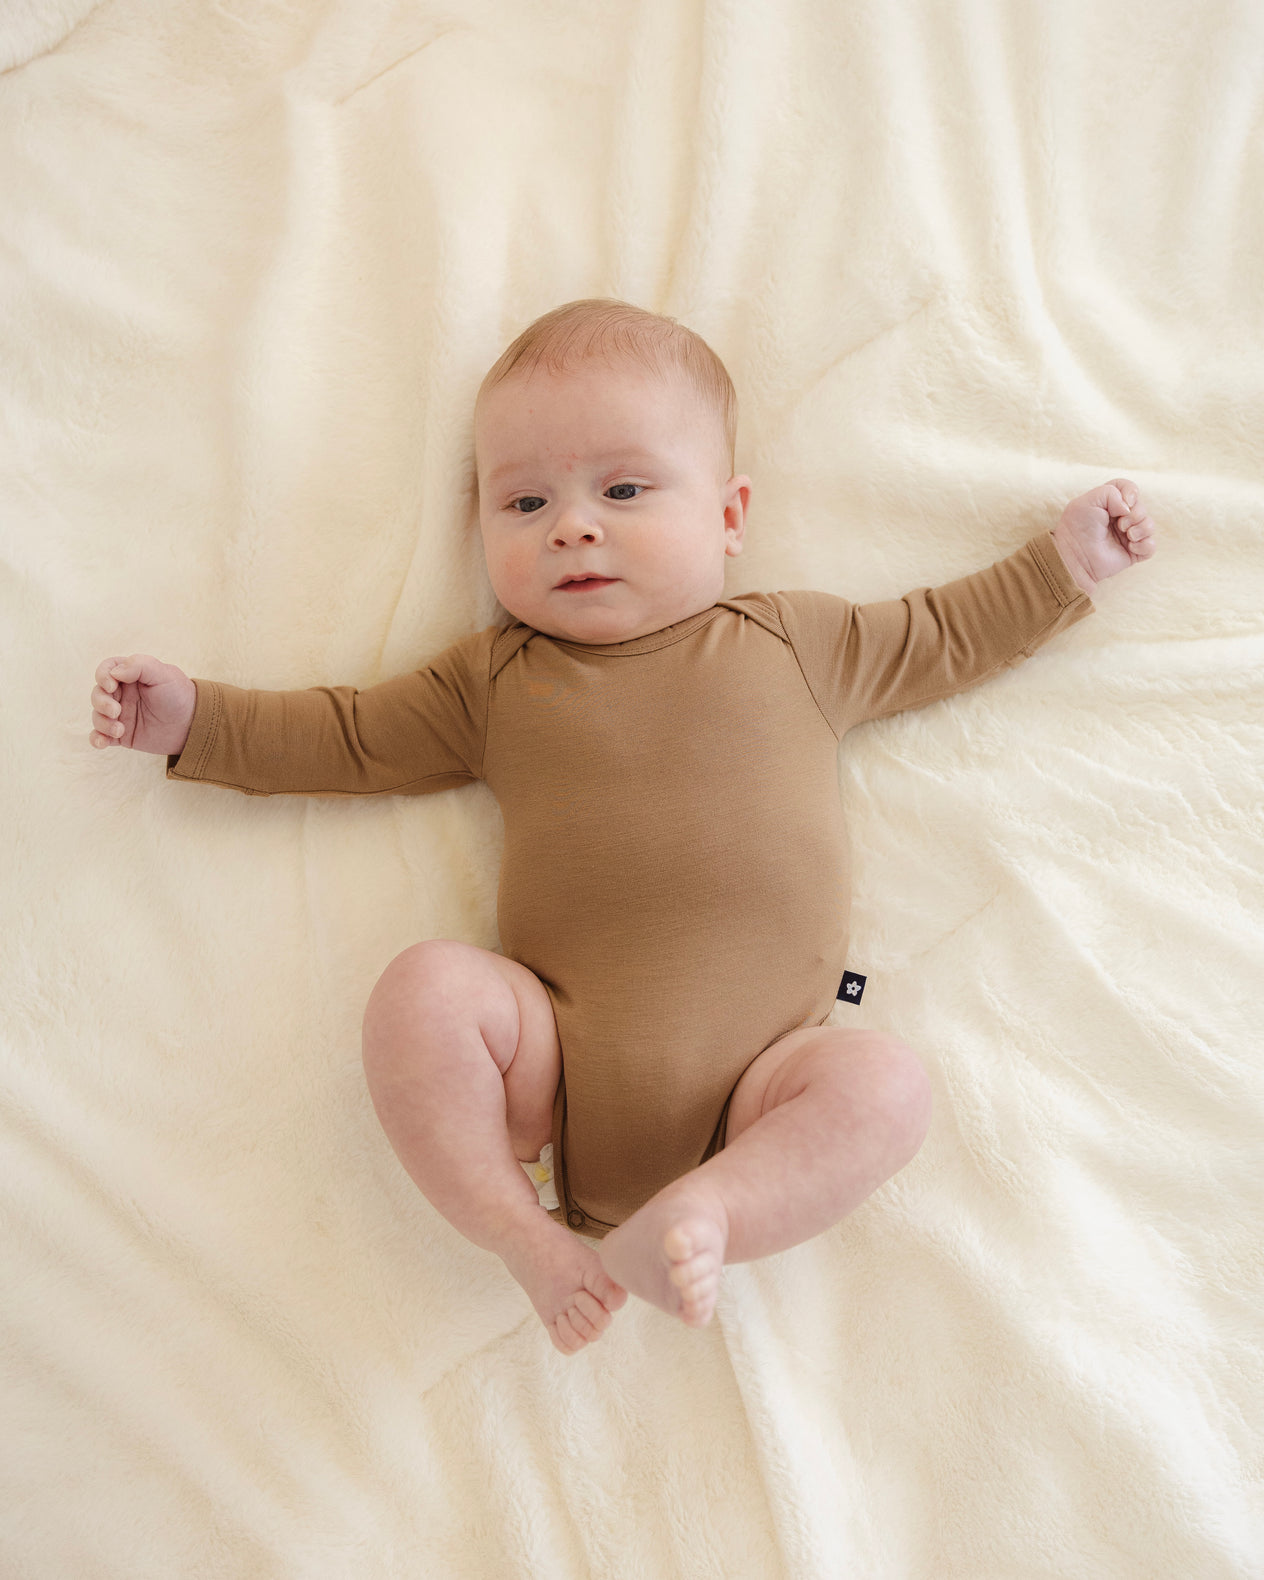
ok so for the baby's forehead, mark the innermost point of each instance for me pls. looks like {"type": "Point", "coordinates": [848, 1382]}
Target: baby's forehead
{"type": "Point", "coordinates": [636, 385]}
{"type": "Point", "coordinates": [633, 379]}
{"type": "Point", "coordinates": [686, 425]}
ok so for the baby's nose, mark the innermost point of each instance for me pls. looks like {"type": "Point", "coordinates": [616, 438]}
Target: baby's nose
{"type": "Point", "coordinates": [574, 527]}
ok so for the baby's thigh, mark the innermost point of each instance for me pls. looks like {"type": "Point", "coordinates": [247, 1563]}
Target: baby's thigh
{"type": "Point", "coordinates": [441, 993]}
{"type": "Point", "coordinates": [534, 1067]}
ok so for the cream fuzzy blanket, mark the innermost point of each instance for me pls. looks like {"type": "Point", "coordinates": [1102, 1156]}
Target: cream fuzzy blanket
{"type": "Point", "coordinates": [964, 261]}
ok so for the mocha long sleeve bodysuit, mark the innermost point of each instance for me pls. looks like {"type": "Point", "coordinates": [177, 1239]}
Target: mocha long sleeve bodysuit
{"type": "Point", "coordinates": [676, 863]}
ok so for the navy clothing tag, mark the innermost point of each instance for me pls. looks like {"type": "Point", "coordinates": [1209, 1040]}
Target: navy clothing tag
{"type": "Point", "coordinates": [852, 987]}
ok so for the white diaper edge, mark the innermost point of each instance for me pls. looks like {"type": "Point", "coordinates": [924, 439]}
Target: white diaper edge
{"type": "Point", "coordinates": [545, 1188]}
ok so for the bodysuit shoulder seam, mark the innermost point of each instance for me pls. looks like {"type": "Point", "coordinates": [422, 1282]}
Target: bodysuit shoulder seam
{"type": "Point", "coordinates": [789, 641]}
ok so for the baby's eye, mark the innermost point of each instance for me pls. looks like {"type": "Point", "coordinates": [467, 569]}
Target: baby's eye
{"type": "Point", "coordinates": [534, 502]}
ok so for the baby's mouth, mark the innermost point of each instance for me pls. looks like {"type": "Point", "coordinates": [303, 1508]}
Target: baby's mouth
{"type": "Point", "coordinates": [586, 581]}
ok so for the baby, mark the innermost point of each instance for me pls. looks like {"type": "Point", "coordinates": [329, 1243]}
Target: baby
{"type": "Point", "coordinates": [647, 1060]}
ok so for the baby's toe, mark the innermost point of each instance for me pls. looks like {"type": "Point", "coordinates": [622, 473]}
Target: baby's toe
{"type": "Point", "coordinates": [678, 1242]}
{"type": "Point", "coordinates": [689, 1241]}
{"type": "Point", "coordinates": [697, 1308]}
{"type": "Point", "coordinates": [690, 1271]}
{"type": "Point", "coordinates": [696, 1304]}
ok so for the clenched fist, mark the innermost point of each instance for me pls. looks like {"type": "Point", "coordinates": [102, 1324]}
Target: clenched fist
{"type": "Point", "coordinates": [1105, 531]}
{"type": "Point", "coordinates": [142, 703]}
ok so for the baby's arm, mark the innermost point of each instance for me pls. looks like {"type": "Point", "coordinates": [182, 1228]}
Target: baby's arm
{"type": "Point", "coordinates": [412, 735]}
{"type": "Point", "coordinates": [1104, 532]}
{"type": "Point", "coordinates": [867, 661]}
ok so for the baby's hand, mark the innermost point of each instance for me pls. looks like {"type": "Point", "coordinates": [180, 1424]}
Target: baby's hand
{"type": "Point", "coordinates": [1104, 532]}
{"type": "Point", "coordinates": [142, 703]}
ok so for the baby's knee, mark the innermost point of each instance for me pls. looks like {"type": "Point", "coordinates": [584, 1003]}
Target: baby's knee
{"type": "Point", "coordinates": [408, 992]}
{"type": "Point", "coordinates": [893, 1080]}
{"type": "Point", "coordinates": [438, 1000]}
{"type": "Point", "coordinates": [430, 973]}
{"type": "Point", "coordinates": [908, 1094]}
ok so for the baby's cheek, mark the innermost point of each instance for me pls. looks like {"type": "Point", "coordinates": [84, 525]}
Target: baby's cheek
{"type": "Point", "coordinates": [510, 573]}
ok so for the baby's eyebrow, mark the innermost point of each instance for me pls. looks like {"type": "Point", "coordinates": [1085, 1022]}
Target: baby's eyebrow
{"type": "Point", "coordinates": [632, 453]}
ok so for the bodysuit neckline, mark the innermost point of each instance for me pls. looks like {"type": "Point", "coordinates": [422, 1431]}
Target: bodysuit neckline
{"type": "Point", "coordinates": [647, 643]}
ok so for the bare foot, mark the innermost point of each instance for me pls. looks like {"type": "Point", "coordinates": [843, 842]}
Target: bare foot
{"type": "Point", "coordinates": [671, 1252]}
{"type": "Point", "coordinates": [566, 1284]}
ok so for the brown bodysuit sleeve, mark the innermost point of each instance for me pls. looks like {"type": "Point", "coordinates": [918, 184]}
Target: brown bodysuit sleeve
{"type": "Point", "coordinates": [417, 733]}
{"type": "Point", "coordinates": [866, 661]}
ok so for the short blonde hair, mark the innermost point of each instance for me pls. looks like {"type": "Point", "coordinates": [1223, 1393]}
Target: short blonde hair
{"type": "Point", "coordinates": [603, 328]}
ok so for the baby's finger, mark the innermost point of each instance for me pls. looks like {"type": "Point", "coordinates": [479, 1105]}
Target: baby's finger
{"type": "Point", "coordinates": [1116, 504]}
{"type": "Point", "coordinates": [105, 704]}
{"type": "Point", "coordinates": [112, 671]}
{"type": "Point", "coordinates": [1141, 539]}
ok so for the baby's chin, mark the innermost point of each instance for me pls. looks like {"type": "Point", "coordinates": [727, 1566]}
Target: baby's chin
{"type": "Point", "coordinates": [598, 628]}
{"type": "Point", "coordinates": [591, 629]}
{"type": "Point", "coordinates": [597, 618]}
{"type": "Point", "coordinates": [579, 625]}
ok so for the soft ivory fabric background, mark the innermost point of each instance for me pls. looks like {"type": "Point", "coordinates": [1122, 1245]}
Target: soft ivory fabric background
{"type": "Point", "coordinates": [964, 261]}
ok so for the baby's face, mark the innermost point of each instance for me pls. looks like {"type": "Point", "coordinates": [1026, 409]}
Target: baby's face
{"type": "Point", "coordinates": [613, 472]}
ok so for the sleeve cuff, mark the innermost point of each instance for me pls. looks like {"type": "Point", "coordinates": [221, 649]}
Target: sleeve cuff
{"type": "Point", "coordinates": [1048, 556]}
{"type": "Point", "coordinates": [190, 761]}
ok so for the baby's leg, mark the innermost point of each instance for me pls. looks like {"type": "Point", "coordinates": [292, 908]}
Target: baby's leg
{"type": "Point", "coordinates": [817, 1122]}
{"type": "Point", "coordinates": [462, 1060]}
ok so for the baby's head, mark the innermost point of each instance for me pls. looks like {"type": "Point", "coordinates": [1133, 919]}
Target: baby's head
{"type": "Point", "coordinates": [605, 443]}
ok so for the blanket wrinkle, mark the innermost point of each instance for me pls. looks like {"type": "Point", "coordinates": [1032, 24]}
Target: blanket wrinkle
{"type": "Point", "coordinates": [41, 33]}
{"type": "Point", "coordinates": [943, 938]}
{"type": "Point", "coordinates": [402, 60]}
{"type": "Point", "coordinates": [851, 352]}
